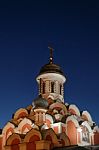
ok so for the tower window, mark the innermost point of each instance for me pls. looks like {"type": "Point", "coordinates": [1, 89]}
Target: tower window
{"type": "Point", "coordinates": [40, 84]}
{"type": "Point", "coordinates": [52, 87]}
{"type": "Point", "coordinates": [43, 87]}
{"type": "Point", "coordinates": [60, 89]}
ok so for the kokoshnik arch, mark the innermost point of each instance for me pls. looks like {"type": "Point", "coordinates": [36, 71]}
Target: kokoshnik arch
{"type": "Point", "coordinates": [49, 122]}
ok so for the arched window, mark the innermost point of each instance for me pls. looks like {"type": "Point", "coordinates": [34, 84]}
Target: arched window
{"type": "Point", "coordinates": [52, 87]}
{"type": "Point", "coordinates": [31, 144]}
{"type": "Point", "coordinates": [60, 89]}
{"type": "Point", "coordinates": [15, 144]}
{"type": "Point", "coordinates": [40, 84]}
{"type": "Point", "coordinates": [43, 87]}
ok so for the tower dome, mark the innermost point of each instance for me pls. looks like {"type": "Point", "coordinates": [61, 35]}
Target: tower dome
{"type": "Point", "coordinates": [51, 68]}
{"type": "Point", "coordinates": [40, 102]}
{"type": "Point", "coordinates": [51, 79]}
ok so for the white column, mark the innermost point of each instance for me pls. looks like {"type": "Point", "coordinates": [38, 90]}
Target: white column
{"type": "Point", "coordinates": [40, 117]}
{"type": "Point", "coordinates": [44, 117]}
{"type": "Point", "coordinates": [92, 135]}
{"type": "Point", "coordinates": [62, 90]}
{"type": "Point", "coordinates": [36, 117]}
{"type": "Point", "coordinates": [57, 87]}
{"type": "Point", "coordinates": [59, 128]}
{"type": "Point", "coordinates": [47, 87]}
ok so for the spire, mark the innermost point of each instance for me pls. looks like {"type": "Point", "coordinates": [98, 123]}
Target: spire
{"type": "Point", "coordinates": [51, 54]}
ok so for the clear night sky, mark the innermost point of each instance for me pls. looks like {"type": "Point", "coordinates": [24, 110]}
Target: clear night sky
{"type": "Point", "coordinates": [26, 28]}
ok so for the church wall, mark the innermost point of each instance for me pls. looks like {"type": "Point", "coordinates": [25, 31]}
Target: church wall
{"type": "Point", "coordinates": [0, 143]}
{"type": "Point", "coordinates": [31, 144]}
{"type": "Point", "coordinates": [96, 138]}
{"type": "Point", "coordinates": [72, 132]}
{"type": "Point", "coordinates": [15, 144]}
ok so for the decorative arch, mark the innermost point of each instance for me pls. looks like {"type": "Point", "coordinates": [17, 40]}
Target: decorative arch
{"type": "Point", "coordinates": [7, 131]}
{"type": "Point", "coordinates": [50, 135]}
{"type": "Point", "coordinates": [64, 139]}
{"type": "Point", "coordinates": [86, 134]}
{"type": "Point", "coordinates": [13, 139]}
{"type": "Point", "coordinates": [86, 124]}
{"type": "Point", "coordinates": [71, 118]}
{"type": "Point", "coordinates": [73, 109]}
{"type": "Point", "coordinates": [49, 120]}
{"type": "Point", "coordinates": [86, 115]}
{"type": "Point", "coordinates": [31, 133]}
{"type": "Point", "coordinates": [50, 97]}
{"type": "Point", "coordinates": [7, 126]}
{"type": "Point", "coordinates": [31, 137]}
{"type": "Point", "coordinates": [25, 125]}
{"type": "Point", "coordinates": [26, 128]}
{"type": "Point", "coordinates": [20, 113]}
{"type": "Point", "coordinates": [59, 105]}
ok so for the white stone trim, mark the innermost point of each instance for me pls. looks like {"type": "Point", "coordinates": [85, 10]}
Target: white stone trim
{"type": "Point", "coordinates": [87, 114]}
{"type": "Point", "coordinates": [52, 76]}
{"type": "Point", "coordinates": [71, 118]}
{"type": "Point", "coordinates": [75, 108]}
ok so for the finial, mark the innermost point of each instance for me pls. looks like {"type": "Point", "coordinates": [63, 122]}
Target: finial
{"type": "Point", "coordinates": [51, 54]}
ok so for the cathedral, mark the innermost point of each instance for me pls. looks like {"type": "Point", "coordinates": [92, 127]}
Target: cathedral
{"type": "Point", "coordinates": [49, 123]}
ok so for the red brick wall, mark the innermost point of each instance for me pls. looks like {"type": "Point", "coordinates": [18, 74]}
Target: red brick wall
{"type": "Point", "coordinates": [72, 132]}
{"type": "Point", "coordinates": [14, 144]}
{"type": "Point", "coordinates": [0, 143]}
{"type": "Point", "coordinates": [31, 145]}
{"type": "Point", "coordinates": [96, 138]}
{"type": "Point", "coordinates": [79, 141]}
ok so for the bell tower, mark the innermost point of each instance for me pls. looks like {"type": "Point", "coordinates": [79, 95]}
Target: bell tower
{"type": "Point", "coordinates": [51, 80]}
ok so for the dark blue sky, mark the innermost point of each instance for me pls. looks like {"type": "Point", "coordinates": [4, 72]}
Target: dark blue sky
{"type": "Point", "coordinates": [26, 29]}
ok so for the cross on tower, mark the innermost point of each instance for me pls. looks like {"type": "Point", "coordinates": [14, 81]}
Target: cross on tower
{"type": "Point", "coordinates": [51, 54]}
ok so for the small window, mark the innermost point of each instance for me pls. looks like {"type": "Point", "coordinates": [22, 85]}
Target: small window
{"type": "Point", "coordinates": [43, 87]}
{"type": "Point", "coordinates": [60, 89]}
{"type": "Point", "coordinates": [52, 87]}
{"type": "Point", "coordinates": [40, 84]}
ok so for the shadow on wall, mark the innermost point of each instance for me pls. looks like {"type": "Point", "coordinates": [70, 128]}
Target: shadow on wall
{"type": "Point", "coordinates": [78, 148]}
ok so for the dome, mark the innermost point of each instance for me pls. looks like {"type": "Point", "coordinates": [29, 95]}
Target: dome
{"type": "Point", "coordinates": [40, 102]}
{"type": "Point", "coordinates": [51, 68]}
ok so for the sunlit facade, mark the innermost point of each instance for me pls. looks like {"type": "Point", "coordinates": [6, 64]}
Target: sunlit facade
{"type": "Point", "coordinates": [48, 122]}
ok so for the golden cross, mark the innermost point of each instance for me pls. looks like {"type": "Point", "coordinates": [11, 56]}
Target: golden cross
{"type": "Point", "coordinates": [51, 54]}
